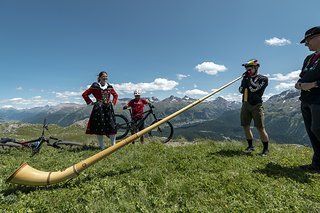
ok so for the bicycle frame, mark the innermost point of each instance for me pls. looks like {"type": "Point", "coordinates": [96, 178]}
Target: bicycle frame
{"type": "Point", "coordinates": [26, 143]}
{"type": "Point", "coordinates": [35, 144]}
{"type": "Point", "coordinates": [135, 126]}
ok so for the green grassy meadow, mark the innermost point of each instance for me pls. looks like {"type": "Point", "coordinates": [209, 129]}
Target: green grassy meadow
{"type": "Point", "coordinates": [198, 176]}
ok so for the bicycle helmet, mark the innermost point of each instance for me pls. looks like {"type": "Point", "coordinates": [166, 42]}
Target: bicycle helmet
{"type": "Point", "coordinates": [252, 63]}
{"type": "Point", "coordinates": [137, 92]}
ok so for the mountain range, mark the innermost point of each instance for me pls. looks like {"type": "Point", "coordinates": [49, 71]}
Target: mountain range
{"type": "Point", "coordinates": [283, 120]}
{"type": "Point", "coordinates": [217, 119]}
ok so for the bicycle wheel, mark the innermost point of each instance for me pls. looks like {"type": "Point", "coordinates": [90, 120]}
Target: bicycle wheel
{"type": "Point", "coordinates": [67, 144]}
{"type": "Point", "coordinates": [122, 126]}
{"type": "Point", "coordinates": [162, 133]}
{"type": "Point", "coordinates": [10, 145]}
{"type": "Point", "coordinates": [9, 142]}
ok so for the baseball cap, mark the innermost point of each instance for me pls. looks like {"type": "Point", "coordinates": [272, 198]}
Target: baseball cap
{"type": "Point", "coordinates": [311, 32]}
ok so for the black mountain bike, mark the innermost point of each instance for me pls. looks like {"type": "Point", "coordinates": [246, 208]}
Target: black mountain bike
{"type": "Point", "coordinates": [36, 144]}
{"type": "Point", "coordinates": [162, 133]}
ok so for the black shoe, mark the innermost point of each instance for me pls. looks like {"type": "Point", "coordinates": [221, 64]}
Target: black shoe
{"type": "Point", "coordinates": [264, 152]}
{"type": "Point", "coordinates": [249, 149]}
{"type": "Point", "coordinates": [310, 168]}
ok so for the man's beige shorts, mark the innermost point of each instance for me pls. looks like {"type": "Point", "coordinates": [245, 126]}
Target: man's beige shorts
{"type": "Point", "coordinates": [249, 112]}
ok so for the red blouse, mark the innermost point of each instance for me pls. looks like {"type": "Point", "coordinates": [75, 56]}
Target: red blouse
{"type": "Point", "coordinates": [100, 93]}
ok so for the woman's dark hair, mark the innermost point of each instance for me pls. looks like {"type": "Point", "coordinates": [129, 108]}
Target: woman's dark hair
{"type": "Point", "coordinates": [100, 74]}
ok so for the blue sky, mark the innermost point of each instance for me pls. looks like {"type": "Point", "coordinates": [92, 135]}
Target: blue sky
{"type": "Point", "coordinates": [52, 50]}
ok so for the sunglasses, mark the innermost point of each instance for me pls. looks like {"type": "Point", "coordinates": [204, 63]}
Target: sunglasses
{"type": "Point", "coordinates": [248, 67]}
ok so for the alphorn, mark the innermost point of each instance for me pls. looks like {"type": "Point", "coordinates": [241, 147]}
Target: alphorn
{"type": "Point", "coordinates": [245, 95]}
{"type": "Point", "coordinates": [27, 175]}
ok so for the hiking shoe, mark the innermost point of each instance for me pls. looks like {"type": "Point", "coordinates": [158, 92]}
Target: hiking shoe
{"type": "Point", "coordinates": [249, 149]}
{"type": "Point", "coordinates": [264, 152]}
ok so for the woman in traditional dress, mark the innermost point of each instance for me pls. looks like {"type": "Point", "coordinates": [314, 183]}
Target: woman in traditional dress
{"type": "Point", "coordinates": [102, 120]}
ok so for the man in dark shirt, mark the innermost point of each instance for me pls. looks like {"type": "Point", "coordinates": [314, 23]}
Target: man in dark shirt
{"type": "Point", "coordinates": [309, 83]}
{"type": "Point", "coordinates": [252, 87]}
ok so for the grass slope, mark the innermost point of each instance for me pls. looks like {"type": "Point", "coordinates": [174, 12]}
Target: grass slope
{"type": "Point", "coordinates": [207, 176]}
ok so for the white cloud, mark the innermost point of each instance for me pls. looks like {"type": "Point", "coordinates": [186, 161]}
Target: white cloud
{"type": "Point", "coordinates": [159, 84]}
{"type": "Point", "coordinates": [193, 92]}
{"type": "Point", "coordinates": [265, 97]}
{"type": "Point", "coordinates": [291, 76]}
{"type": "Point", "coordinates": [238, 97]}
{"type": "Point", "coordinates": [233, 97]}
{"type": "Point", "coordinates": [25, 102]}
{"type": "Point", "coordinates": [38, 101]}
{"type": "Point", "coordinates": [6, 107]}
{"type": "Point", "coordinates": [210, 68]}
{"type": "Point", "coordinates": [287, 81]}
{"type": "Point", "coordinates": [19, 88]}
{"type": "Point", "coordinates": [181, 76]}
{"type": "Point", "coordinates": [285, 86]}
{"type": "Point", "coordinates": [67, 94]}
{"type": "Point", "coordinates": [277, 41]}
{"type": "Point", "coordinates": [195, 86]}
{"type": "Point", "coordinates": [15, 99]}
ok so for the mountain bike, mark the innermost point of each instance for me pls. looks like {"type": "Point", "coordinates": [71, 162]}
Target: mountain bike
{"type": "Point", "coordinates": [36, 144]}
{"type": "Point", "coordinates": [163, 133]}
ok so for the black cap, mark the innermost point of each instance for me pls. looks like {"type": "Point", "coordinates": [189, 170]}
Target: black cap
{"type": "Point", "coordinates": [311, 32]}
